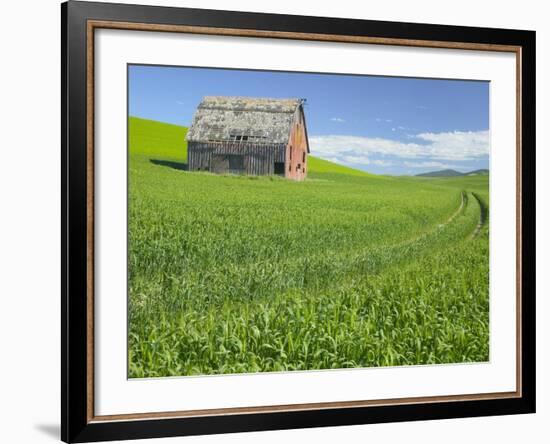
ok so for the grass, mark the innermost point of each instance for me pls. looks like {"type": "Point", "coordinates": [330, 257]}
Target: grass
{"type": "Point", "coordinates": [231, 274]}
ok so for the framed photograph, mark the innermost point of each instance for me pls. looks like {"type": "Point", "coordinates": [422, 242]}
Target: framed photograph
{"type": "Point", "coordinates": [275, 221]}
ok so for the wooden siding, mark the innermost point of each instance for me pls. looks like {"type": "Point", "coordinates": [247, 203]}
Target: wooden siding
{"type": "Point", "coordinates": [259, 158]}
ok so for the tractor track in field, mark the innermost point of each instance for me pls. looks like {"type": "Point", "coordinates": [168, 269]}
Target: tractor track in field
{"type": "Point", "coordinates": [459, 210]}
{"type": "Point", "coordinates": [463, 203]}
{"type": "Point", "coordinates": [465, 200]}
{"type": "Point", "coordinates": [426, 235]}
{"type": "Point", "coordinates": [483, 215]}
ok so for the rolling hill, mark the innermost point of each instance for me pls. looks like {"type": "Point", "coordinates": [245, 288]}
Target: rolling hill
{"type": "Point", "coordinates": [454, 173]}
{"type": "Point", "coordinates": [482, 172]}
{"type": "Point", "coordinates": [167, 141]}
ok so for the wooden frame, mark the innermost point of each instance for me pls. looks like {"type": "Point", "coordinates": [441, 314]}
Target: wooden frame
{"type": "Point", "coordinates": [79, 21]}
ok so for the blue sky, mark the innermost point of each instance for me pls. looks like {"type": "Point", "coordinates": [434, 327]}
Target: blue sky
{"type": "Point", "coordinates": [385, 125]}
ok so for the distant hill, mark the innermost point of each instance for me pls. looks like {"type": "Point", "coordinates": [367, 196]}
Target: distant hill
{"type": "Point", "coordinates": [482, 172]}
{"type": "Point", "coordinates": [441, 173]}
{"type": "Point", "coordinates": [454, 173]}
{"type": "Point", "coordinates": [165, 141]}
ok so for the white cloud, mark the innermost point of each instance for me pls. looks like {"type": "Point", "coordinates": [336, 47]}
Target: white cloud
{"type": "Point", "coordinates": [180, 102]}
{"type": "Point", "coordinates": [378, 119]}
{"type": "Point", "coordinates": [389, 120]}
{"type": "Point", "coordinates": [335, 146]}
{"type": "Point", "coordinates": [337, 119]}
{"type": "Point", "coordinates": [455, 146]}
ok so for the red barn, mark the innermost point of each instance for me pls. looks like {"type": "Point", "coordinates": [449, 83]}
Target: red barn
{"type": "Point", "coordinates": [249, 135]}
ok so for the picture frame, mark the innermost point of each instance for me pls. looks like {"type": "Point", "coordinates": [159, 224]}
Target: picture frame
{"type": "Point", "coordinates": [80, 21]}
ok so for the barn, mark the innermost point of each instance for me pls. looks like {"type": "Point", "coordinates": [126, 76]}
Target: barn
{"type": "Point", "coordinates": [249, 135]}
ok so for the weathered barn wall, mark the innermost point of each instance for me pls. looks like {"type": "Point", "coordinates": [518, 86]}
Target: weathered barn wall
{"type": "Point", "coordinates": [258, 159]}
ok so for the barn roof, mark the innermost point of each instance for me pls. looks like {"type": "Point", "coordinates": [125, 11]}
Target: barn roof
{"type": "Point", "coordinates": [262, 120]}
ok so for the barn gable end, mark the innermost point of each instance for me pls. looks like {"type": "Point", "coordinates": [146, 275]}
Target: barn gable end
{"type": "Point", "coordinates": [242, 135]}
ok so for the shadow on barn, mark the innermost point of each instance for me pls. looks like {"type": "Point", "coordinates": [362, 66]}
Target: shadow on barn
{"type": "Point", "coordinates": [175, 165]}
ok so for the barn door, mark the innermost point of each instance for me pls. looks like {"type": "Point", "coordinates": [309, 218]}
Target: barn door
{"type": "Point", "coordinates": [236, 163]}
